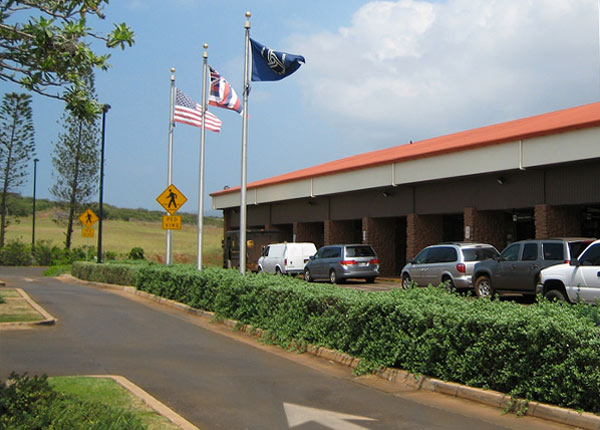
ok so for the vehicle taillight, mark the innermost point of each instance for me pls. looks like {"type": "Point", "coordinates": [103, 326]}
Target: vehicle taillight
{"type": "Point", "coordinates": [374, 261]}
{"type": "Point", "coordinates": [347, 262]}
{"type": "Point", "coordinates": [285, 261]}
{"type": "Point", "coordinates": [461, 268]}
{"type": "Point", "coordinates": [567, 262]}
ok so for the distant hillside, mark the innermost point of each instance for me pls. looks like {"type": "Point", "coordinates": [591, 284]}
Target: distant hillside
{"type": "Point", "coordinates": [20, 206]}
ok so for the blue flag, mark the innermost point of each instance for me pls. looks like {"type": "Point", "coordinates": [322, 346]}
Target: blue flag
{"type": "Point", "coordinates": [269, 65]}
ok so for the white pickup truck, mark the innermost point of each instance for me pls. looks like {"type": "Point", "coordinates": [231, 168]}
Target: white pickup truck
{"type": "Point", "coordinates": [578, 280]}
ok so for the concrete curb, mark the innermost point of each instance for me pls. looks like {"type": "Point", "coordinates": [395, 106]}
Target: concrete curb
{"type": "Point", "coordinates": [48, 319]}
{"type": "Point", "coordinates": [152, 402]}
{"type": "Point", "coordinates": [583, 420]}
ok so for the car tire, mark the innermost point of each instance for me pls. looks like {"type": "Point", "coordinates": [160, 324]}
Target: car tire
{"type": "Point", "coordinates": [483, 287]}
{"type": "Point", "coordinates": [333, 278]}
{"type": "Point", "coordinates": [448, 284]}
{"type": "Point", "coordinates": [307, 276]}
{"type": "Point", "coordinates": [370, 280]}
{"type": "Point", "coordinates": [278, 270]}
{"type": "Point", "coordinates": [555, 296]}
{"type": "Point", "coordinates": [406, 282]}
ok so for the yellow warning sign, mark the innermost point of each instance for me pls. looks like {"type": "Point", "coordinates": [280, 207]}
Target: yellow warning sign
{"type": "Point", "coordinates": [88, 218]}
{"type": "Point", "coordinates": [87, 232]}
{"type": "Point", "coordinates": [171, 222]}
{"type": "Point", "coordinates": [171, 199]}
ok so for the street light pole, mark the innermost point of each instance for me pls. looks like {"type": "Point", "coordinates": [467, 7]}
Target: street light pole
{"type": "Point", "coordinates": [35, 161]}
{"type": "Point", "coordinates": [105, 109]}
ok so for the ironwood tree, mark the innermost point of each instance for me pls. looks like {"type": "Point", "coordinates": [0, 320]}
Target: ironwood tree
{"type": "Point", "coordinates": [17, 147]}
{"type": "Point", "coordinates": [76, 162]}
{"type": "Point", "coordinates": [46, 47]}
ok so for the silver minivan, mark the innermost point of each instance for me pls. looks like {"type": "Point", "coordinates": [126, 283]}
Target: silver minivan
{"type": "Point", "coordinates": [340, 262]}
{"type": "Point", "coordinates": [446, 263]}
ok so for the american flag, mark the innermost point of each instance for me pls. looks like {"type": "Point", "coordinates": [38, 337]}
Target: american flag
{"type": "Point", "coordinates": [222, 94]}
{"type": "Point", "coordinates": [187, 111]}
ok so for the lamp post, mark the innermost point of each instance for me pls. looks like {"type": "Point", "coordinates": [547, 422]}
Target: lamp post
{"type": "Point", "coordinates": [105, 109]}
{"type": "Point", "coordinates": [35, 161]}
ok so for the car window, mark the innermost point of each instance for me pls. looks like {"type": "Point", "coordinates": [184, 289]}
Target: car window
{"type": "Point", "coordinates": [479, 254]}
{"type": "Point", "coordinates": [577, 248]}
{"type": "Point", "coordinates": [511, 253]}
{"type": "Point", "coordinates": [266, 251]}
{"type": "Point", "coordinates": [442, 254]}
{"type": "Point", "coordinates": [553, 251]}
{"type": "Point", "coordinates": [591, 256]}
{"type": "Point", "coordinates": [359, 251]}
{"type": "Point", "coordinates": [421, 257]}
{"type": "Point", "coordinates": [530, 252]}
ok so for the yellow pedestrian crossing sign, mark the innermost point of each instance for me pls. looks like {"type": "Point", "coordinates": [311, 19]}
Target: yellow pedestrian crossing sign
{"type": "Point", "coordinates": [171, 199]}
{"type": "Point", "coordinates": [88, 218]}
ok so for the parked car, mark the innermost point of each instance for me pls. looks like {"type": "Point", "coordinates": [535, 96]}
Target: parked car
{"type": "Point", "coordinates": [286, 258]}
{"type": "Point", "coordinates": [446, 263]}
{"type": "Point", "coordinates": [578, 280]}
{"type": "Point", "coordinates": [518, 267]}
{"type": "Point", "coordinates": [340, 262]}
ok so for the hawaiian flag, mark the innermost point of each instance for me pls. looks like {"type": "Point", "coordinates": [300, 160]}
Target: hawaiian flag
{"type": "Point", "coordinates": [222, 94]}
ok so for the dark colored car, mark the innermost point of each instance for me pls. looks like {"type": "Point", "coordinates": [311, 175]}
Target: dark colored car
{"type": "Point", "coordinates": [518, 267]}
{"type": "Point", "coordinates": [340, 262]}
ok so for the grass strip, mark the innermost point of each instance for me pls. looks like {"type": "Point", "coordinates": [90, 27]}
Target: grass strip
{"type": "Point", "coordinates": [14, 308]}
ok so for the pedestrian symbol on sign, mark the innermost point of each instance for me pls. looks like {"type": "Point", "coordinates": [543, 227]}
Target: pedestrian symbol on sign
{"type": "Point", "coordinates": [171, 199]}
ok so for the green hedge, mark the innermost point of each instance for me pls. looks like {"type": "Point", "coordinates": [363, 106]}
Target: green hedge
{"type": "Point", "coordinates": [546, 352]}
{"type": "Point", "coordinates": [119, 273]}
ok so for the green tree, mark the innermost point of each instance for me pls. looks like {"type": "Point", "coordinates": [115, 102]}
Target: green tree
{"type": "Point", "coordinates": [76, 163]}
{"type": "Point", "coordinates": [45, 46]}
{"type": "Point", "coordinates": [16, 148]}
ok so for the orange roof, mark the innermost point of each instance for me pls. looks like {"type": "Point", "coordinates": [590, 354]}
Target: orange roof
{"type": "Point", "coordinates": [525, 128]}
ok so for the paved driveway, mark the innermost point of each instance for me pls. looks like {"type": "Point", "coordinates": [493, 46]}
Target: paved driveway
{"type": "Point", "coordinates": [213, 377]}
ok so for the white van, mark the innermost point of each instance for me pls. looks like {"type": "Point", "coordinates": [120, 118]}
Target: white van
{"type": "Point", "coordinates": [286, 258]}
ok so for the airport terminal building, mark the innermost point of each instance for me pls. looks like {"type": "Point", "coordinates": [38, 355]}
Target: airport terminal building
{"type": "Point", "coordinates": [534, 177]}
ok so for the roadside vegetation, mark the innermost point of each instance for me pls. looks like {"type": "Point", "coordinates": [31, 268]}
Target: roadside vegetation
{"type": "Point", "coordinates": [14, 308]}
{"type": "Point", "coordinates": [73, 403]}
{"type": "Point", "coordinates": [547, 352]}
{"type": "Point", "coordinates": [125, 231]}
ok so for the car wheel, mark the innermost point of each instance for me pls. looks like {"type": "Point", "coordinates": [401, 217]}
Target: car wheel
{"type": "Point", "coordinates": [277, 271]}
{"type": "Point", "coordinates": [307, 276]}
{"type": "Point", "coordinates": [483, 288]}
{"type": "Point", "coordinates": [260, 269]}
{"type": "Point", "coordinates": [448, 284]}
{"type": "Point", "coordinates": [333, 277]}
{"type": "Point", "coordinates": [555, 296]}
{"type": "Point", "coordinates": [370, 280]}
{"type": "Point", "coordinates": [406, 282]}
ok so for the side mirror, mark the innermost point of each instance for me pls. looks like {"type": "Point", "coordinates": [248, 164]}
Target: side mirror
{"type": "Point", "coordinates": [574, 262]}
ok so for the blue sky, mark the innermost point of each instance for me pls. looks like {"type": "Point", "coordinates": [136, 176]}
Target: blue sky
{"type": "Point", "coordinates": [377, 74]}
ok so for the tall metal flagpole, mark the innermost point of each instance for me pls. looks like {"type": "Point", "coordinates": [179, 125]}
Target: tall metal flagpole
{"type": "Point", "coordinates": [169, 250]}
{"type": "Point", "coordinates": [201, 175]}
{"type": "Point", "coordinates": [244, 149]}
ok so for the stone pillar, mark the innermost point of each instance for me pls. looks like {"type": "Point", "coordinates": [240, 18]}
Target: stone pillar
{"type": "Point", "coordinates": [557, 221]}
{"type": "Point", "coordinates": [422, 231]}
{"type": "Point", "coordinates": [381, 235]}
{"type": "Point", "coordinates": [485, 227]}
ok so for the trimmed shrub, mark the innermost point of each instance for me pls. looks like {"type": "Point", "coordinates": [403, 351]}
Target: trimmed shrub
{"type": "Point", "coordinates": [548, 352]}
{"type": "Point", "coordinates": [136, 253]}
{"type": "Point", "coordinates": [119, 273]}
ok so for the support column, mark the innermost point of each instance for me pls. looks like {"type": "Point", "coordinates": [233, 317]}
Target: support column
{"type": "Point", "coordinates": [380, 233]}
{"type": "Point", "coordinates": [422, 231]}
{"type": "Point", "coordinates": [557, 221]}
{"type": "Point", "coordinates": [484, 227]}
{"type": "Point", "coordinates": [338, 232]}
{"type": "Point", "coordinates": [309, 232]}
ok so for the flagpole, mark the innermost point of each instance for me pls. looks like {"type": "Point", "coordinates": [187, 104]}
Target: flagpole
{"type": "Point", "coordinates": [201, 175]}
{"type": "Point", "coordinates": [244, 151]}
{"type": "Point", "coordinates": [168, 250]}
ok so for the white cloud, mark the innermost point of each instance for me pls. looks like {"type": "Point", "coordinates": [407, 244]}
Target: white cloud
{"type": "Point", "coordinates": [417, 66]}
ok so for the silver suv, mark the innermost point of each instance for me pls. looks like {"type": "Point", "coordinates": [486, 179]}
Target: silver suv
{"type": "Point", "coordinates": [446, 263]}
{"type": "Point", "coordinates": [340, 262]}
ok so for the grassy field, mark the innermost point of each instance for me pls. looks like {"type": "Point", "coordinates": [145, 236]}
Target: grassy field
{"type": "Point", "coordinates": [121, 236]}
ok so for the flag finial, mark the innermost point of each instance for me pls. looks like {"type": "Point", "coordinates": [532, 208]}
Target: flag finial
{"type": "Point", "coordinates": [248, 14]}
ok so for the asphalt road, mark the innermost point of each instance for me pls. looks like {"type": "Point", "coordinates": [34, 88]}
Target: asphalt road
{"type": "Point", "coordinates": [214, 377]}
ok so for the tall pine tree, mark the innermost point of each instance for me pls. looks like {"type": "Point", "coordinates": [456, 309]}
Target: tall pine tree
{"type": "Point", "coordinates": [76, 165]}
{"type": "Point", "coordinates": [17, 147]}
